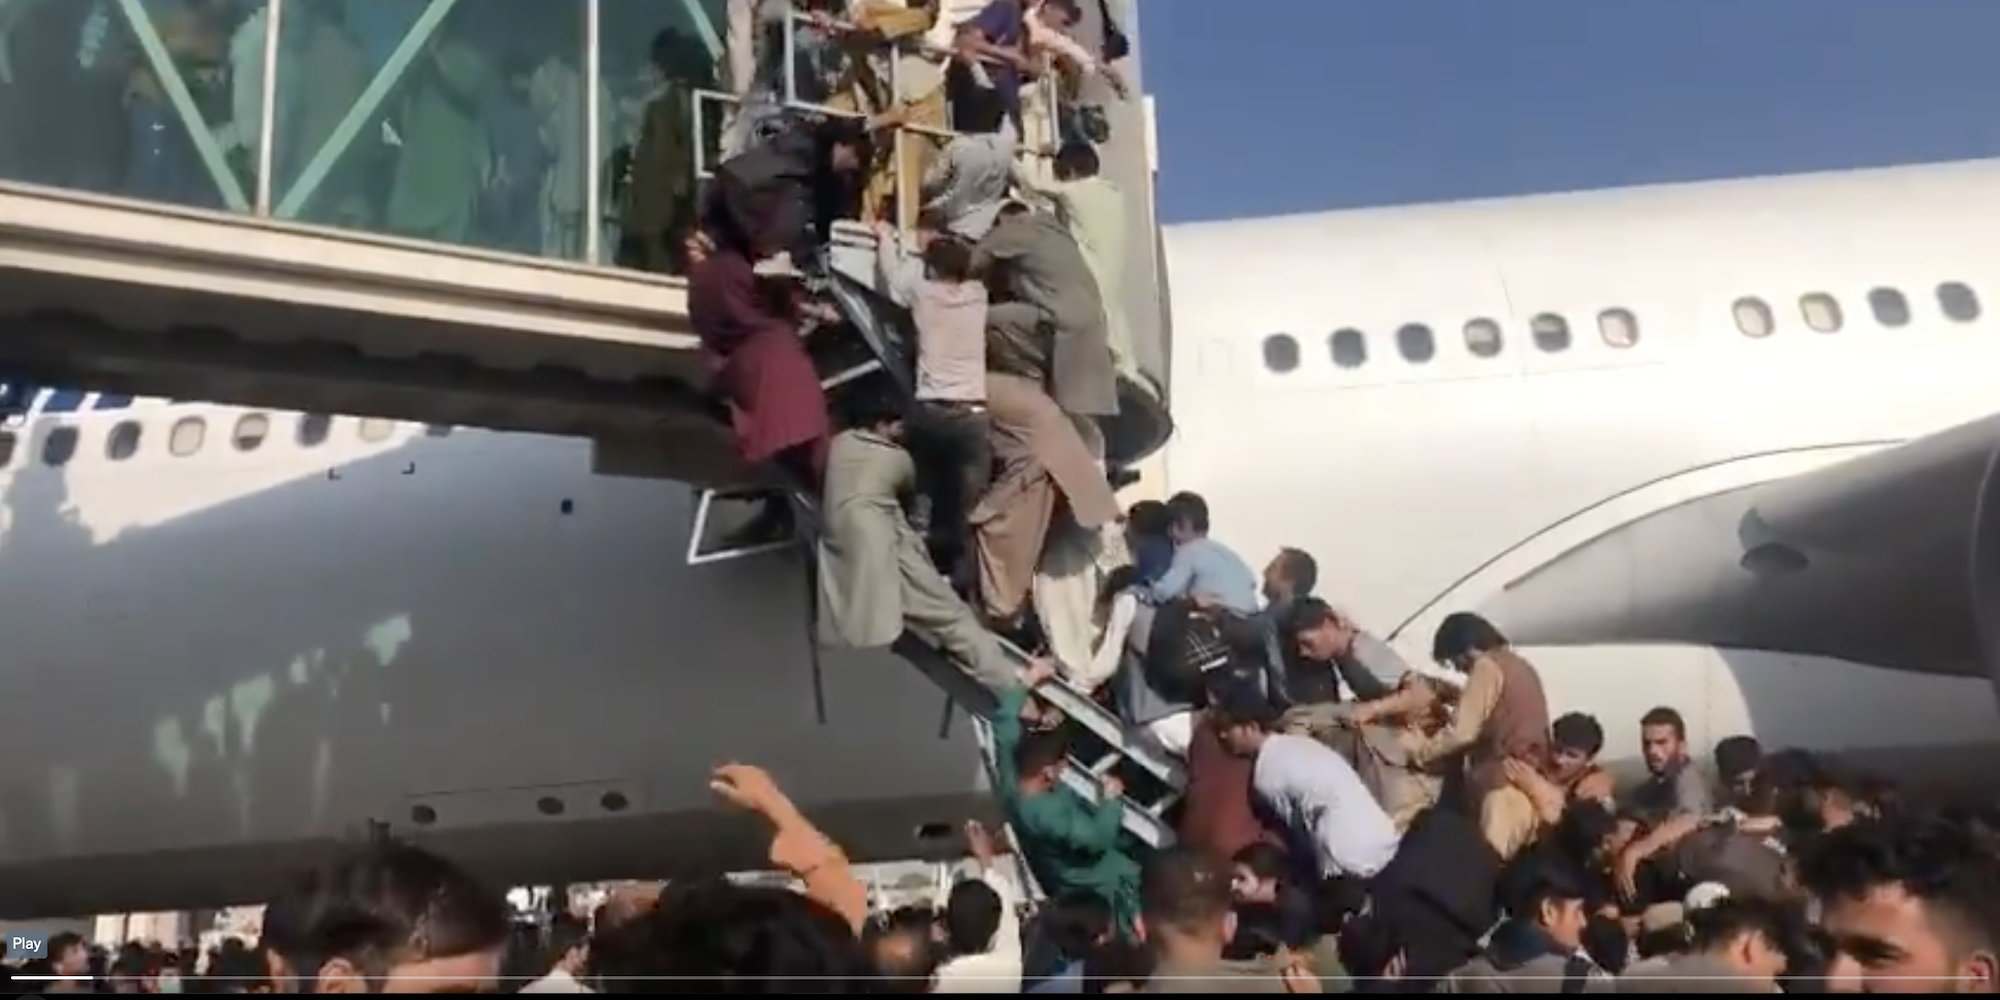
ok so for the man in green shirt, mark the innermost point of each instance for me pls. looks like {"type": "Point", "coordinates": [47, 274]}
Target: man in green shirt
{"type": "Point", "coordinates": [1071, 843]}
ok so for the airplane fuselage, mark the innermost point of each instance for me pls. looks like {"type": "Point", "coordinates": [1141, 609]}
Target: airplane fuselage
{"type": "Point", "coordinates": [228, 648]}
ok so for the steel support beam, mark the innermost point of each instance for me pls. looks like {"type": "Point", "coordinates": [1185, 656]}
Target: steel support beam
{"type": "Point", "coordinates": [162, 64]}
{"type": "Point", "coordinates": [363, 114]}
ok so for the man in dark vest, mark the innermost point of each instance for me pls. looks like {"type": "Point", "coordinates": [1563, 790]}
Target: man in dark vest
{"type": "Point", "coordinates": [1503, 714]}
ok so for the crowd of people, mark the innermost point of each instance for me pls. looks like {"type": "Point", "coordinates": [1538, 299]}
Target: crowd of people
{"type": "Point", "coordinates": [1786, 874]}
{"type": "Point", "coordinates": [1349, 822]}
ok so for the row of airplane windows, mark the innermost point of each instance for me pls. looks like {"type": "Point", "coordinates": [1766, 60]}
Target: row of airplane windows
{"type": "Point", "coordinates": [1619, 328]}
{"type": "Point", "coordinates": [189, 435]}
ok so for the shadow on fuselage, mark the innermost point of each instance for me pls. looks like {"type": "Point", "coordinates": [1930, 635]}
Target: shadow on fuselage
{"type": "Point", "coordinates": [474, 615]}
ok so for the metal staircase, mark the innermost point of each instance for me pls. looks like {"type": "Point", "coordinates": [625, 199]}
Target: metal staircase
{"type": "Point", "coordinates": [869, 354]}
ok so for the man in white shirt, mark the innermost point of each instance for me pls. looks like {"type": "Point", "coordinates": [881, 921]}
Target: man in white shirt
{"type": "Point", "coordinates": [982, 926]}
{"type": "Point", "coordinates": [1329, 816]}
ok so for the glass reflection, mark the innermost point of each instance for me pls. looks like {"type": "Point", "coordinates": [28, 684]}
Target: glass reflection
{"type": "Point", "coordinates": [154, 99]}
{"type": "Point", "coordinates": [454, 121]}
{"type": "Point", "coordinates": [654, 57]}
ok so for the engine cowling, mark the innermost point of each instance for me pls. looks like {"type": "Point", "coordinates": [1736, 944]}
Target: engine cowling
{"type": "Point", "coordinates": [1890, 559]}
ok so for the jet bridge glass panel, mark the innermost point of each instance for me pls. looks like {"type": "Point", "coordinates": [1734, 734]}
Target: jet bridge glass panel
{"type": "Point", "coordinates": [498, 124]}
{"type": "Point", "coordinates": [159, 100]}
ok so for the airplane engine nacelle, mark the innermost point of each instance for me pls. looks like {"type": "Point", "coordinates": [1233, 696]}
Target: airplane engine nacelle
{"type": "Point", "coordinates": [1890, 559]}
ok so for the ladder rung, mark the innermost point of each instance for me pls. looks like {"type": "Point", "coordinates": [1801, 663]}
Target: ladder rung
{"type": "Point", "coordinates": [1140, 822]}
{"type": "Point", "coordinates": [1105, 726]}
{"type": "Point", "coordinates": [842, 378]}
{"type": "Point", "coordinates": [1105, 766]}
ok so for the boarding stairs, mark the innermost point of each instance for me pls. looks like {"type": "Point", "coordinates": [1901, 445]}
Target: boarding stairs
{"type": "Point", "coordinates": [871, 351]}
{"type": "Point", "coordinates": [870, 354]}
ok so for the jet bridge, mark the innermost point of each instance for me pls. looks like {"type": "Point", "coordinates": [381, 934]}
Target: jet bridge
{"type": "Point", "coordinates": [278, 270]}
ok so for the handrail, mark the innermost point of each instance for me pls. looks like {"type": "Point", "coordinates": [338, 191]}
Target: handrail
{"type": "Point", "coordinates": [786, 98]}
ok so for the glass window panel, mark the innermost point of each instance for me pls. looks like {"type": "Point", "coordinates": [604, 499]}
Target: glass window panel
{"type": "Point", "coordinates": [454, 121]}
{"type": "Point", "coordinates": [159, 100]}
{"type": "Point", "coordinates": [657, 58]}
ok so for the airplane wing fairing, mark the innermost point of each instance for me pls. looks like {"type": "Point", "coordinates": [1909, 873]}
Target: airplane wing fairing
{"type": "Point", "coordinates": [1891, 559]}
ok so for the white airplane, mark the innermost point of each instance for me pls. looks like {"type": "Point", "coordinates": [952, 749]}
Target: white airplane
{"type": "Point", "coordinates": [234, 637]}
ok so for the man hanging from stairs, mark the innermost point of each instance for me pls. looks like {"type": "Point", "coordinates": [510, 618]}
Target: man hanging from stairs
{"type": "Point", "coordinates": [770, 209]}
{"type": "Point", "coordinates": [876, 579]}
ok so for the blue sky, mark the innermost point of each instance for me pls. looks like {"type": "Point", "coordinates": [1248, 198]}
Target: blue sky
{"type": "Point", "coordinates": [1274, 106]}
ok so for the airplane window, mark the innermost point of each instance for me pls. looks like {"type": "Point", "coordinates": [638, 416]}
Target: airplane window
{"type": "Point", "coordinates": [123, 442]}
{"type": "Point", "coordinates": [1753, 317]}
{"type": "Point", "coordinates": [375, 429]}
{"type": "Point", "coordinates": [1350, 348]}
{"type": "Point", "coordinates": [1482, 338]}
{"type": "Point", "coordinates": [1821, 313]}
{"type": "Point", "coordinates": [1281, 352]}
{"type": "Point", "coordinates": [1891, 309]}
{"type": "Point", "coordinates": [1550, 332]}
{"type": "Point", "coordinates": [59, 446]}
{"type": "Point", "coordinates": [7, 445]}
{"type": "Point", "coordinates": [1959, 302]}
{"type": "Point", "coordinates": [444, 430]}
{"type": "Point", "coordinates": [314, 428]}
{"type": "Point", "coordinates": [187, 436]}
{"type": "Point", "coordinates": [1415, 343]}
{"type": "Point", "coordinates": [1618, 327]}
{"type": "Point", "coordinates": [251, 430]}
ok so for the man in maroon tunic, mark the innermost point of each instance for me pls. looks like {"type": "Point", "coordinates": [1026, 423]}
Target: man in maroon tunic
{"type": "Point", "coordinates": [774, 200]}
{"type": "Point", "coordinates": [757, 364]}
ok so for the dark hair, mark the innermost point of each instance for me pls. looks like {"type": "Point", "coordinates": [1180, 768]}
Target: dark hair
{"type": "Point", "coordinates": [1583, 827]}
{"type": "Point", "coordinates": [1118, 963]}
{"type": "Point", "coordinates": [1189, 509]}
{"type": "Point", "coordinates": [1307, 613]}
{"type": "Point", "coordinates": [1715, 926]}
{"type": "Point", "coordinates": [948, 259]}
{"type": "Point", "coordinates": [1944, 865]}
{"type": "Point", "coordinates": [384, 905]}
{"type": "Point", "coordinates": [1265, 860]}
{"type": "Point", "coordinates": [1149, 519]}
{"type": "Point", "coordinates": [1736, 756]}
{"type": "Point", "coordinates": [1260, 931]}
{"type": "Point", "coordinates": [1076, 922]}
{"type": "Point", "coordinates": [971, 917]}
{"type": "Point", "coordinates": [1241, 704]}
{"type": "Point", "coordinates": [1463, 633]}
{"type": "Point", "coordinates": [60, 944]}
{"type": "Point", "coordinates": [1117, 582]}
{"type": "Point", "coordinates": [1184, 889]}
{"type": "Point", "coordinates": [1077, 159]}
{"type": "Point", "coordinates": [1579, 732]}
{"type": "Point", "coordinates": [1299, 569]}
{"type": "Point", "coordinates": [1544, 878]}
{"type": "Point", "coordinates": [1665, 715]}
{"type": "Point", "coordinates": [715, 937]}
{"type": "Point", "coordinates": [566, 934]}
{"type": "Point", "coordinates": [904, 955]}
{"type": "Point", "coordinates": [1039, 749]}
